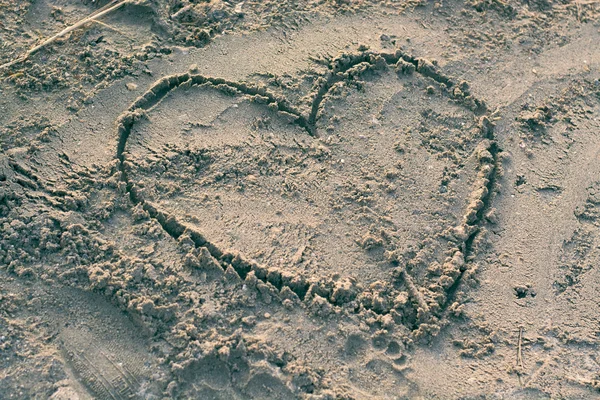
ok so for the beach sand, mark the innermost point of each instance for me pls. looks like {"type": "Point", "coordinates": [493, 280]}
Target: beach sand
{"type": "Point", "coordinates": [333, 199]}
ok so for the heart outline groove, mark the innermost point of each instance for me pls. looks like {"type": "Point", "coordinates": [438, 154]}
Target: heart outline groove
{"type": "Point", "coordinates": [430, 309]}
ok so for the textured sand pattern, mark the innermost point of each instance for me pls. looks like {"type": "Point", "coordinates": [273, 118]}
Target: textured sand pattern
{"type": "Point", "coordinates": [312, 200]}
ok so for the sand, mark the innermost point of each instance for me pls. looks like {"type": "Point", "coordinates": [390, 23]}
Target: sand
{"type": "Point", "coordinates": [300, 200]}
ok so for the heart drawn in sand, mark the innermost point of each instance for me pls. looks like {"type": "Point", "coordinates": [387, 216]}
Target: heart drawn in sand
{"type": "Point", "coordinates": [383, 178]}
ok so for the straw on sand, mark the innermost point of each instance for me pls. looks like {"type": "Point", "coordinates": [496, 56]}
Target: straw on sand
{"type": "Point", "coordinates": [110, 7]}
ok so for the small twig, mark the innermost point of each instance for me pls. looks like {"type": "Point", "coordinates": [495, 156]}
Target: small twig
{"type": "Point", "coordinates": [520, 349]}
{"type": "Point", "coordinates": [112, 28]}
{"type": "Point", "coordinates": [112, 6]}
{"type": "Point", "coordinates": [520, 366]}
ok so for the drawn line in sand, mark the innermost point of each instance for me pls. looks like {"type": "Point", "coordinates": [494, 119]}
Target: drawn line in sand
{"type": "Point", "coordinates": [429, 308]}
